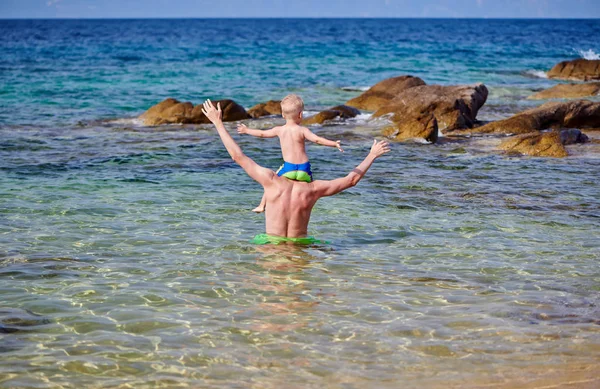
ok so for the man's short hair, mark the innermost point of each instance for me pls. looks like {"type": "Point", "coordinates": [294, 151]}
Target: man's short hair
{"type": "Point", "coordinates": [291, 105]}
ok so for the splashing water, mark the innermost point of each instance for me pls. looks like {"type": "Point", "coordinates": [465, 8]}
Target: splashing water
{"type": "Point", "coordinates": [589, 54]}
{"type": "Point", "coordinates": [535, 74]}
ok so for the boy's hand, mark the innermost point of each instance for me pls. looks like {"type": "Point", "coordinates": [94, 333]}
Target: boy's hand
{"type": "Point", "coordinates": [242, 129]}
{"type": "Point", "coordinates": [213, 114]}
{"type": "Point", "coordinates": [379, 148]}
{"type": "Point", "coordinates": [338, 145]}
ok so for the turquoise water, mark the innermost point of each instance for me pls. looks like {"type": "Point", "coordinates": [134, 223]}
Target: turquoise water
{"type": "Point", "coordinates": [125, 254]}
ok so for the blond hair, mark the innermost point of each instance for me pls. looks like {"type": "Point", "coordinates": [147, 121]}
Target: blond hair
{"type": "Point", "coordinates": [291, 106]}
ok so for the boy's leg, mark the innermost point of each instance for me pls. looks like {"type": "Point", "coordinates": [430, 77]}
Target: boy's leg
{"type": "Point", "coordinates": [261, 206]}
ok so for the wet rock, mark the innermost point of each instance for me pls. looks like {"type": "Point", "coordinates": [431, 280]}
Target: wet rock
{"type": "Point", "coordinates": [535, 144]}
{"type": "Point", "coordinates": [454, 107]}
{"type": "Point", "coordinates": [271, 107]}
{"type": "Point", "coordinates": [568, 91]}
{"type": "Point", "coordinates": [17, 320]}
{"type": "Point", "coordinates": [383, 92]}
{"type": "Point", "coordinates": [543, 144]}
{"type": "Point", "coordinates": [424, 127]}
{"type": "Point", "coordinates": [552, 115]}
{"type": "Point", "coordinates": [338, 112]}
{"type": "Point", "coordinates": [571, 136]}
{"type": "Point", "coordinates": [172, 111]}
{"type": "Point", "coordinates": [578, 69]}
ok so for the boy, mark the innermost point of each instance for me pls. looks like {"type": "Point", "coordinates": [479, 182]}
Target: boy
{"type": "Point", "coordinates": [291, 138]}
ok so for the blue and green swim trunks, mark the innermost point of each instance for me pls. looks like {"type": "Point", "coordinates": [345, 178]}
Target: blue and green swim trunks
{"type": "Point", "coordinates": [295, 172]}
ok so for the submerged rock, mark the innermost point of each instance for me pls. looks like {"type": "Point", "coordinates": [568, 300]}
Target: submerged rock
{"type": "Point", "coordinates": [271, 107]}
{"type": "Point", "coordinates": [454, 107]}
{"type": "Point", "coordinates": [383, 92]}
{"type": "Point", "coordinates": [543, 144]}
{"type": "Point", "coordinates": [340, 111]}
{"type": "Point", "coordinates": [568, 91]}
{"type": "Point", "coordinates": [172, 111]}
{"type": "Point", "coordinates": [578, 69]}
{"type": "Point", "coordinates": [552, 115]}
{"type": "Point", "coordinates": [19, 320]}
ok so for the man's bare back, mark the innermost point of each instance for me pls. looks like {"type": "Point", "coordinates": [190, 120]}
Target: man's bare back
{"type": "Point", "coordinates": [289, 202]}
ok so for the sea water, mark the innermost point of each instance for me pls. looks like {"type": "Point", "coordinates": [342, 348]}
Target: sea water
{"type": "Point", "coordinates": [125, 253]}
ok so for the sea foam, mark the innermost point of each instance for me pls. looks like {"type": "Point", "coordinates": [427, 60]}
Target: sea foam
{"type": "Point", "coordinates": [588, 54]}
{"type": "Point", "coordinates": [536, 73]}
{"type": "Point", "coordinates": [355, 88]}
{"type": "Point", "coordinates": [135, 122]}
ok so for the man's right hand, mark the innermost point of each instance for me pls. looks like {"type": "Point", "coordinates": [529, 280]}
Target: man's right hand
{"type": "Point", "coordinates": [242, 129]}
{"type": "Point", "coordinates": [379, 148]}
{"type": "Point", "coordinates": [213, 114]}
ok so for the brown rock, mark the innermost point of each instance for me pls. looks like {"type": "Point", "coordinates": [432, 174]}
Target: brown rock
{"type": "Point", "coordinates": [340, 111]}
{"type": "Point", "coordinates": [167, 111]}
{"type": "Point", "coordinates": [383, 92]}
{"type": "Point", "coordinates": [552, 115]}
{"type": "Point", "coordinates": [271, 107]}
{"type": "Point", "coordinates": [544, 144]}
{"type": "Point", "coordinates": [232, 111]}
{"type": "Point", "coordinates": [536, 144]}
{"type": "Point", "coordinates": [578, 69]}
{"type": "Point", "coordinates": [172, 111]}
{"type": "Point", "coordinates": [454, 107]}
{"type": "Point", "coordinates": [568, 91]}
{"type": "Point", "coordinates": [424, 127]}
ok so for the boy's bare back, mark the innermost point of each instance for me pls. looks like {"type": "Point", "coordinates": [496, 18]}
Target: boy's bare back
{"type": "Point", "coordinates": [292, 139]}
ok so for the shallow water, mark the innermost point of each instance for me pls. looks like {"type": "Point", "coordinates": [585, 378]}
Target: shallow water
{"type": "Point", "coordinates": [125, 254]}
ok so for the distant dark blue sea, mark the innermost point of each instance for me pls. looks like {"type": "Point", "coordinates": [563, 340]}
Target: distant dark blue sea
{"type": "Point", "coordinates": [64, 71]}
{"type": "Point", "coordinates": [125, 254]}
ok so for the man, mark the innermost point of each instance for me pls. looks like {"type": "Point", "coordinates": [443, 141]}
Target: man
{"type": "Point", "coordinates": [289, 203]}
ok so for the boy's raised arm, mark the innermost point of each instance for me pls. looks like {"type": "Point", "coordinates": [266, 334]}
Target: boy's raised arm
{"type": "Point", "coordinates": [242, 129]}
{"type": "Point", "coordinates": [310, 136]}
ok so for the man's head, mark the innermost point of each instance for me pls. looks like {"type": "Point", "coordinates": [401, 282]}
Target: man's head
{"type": "Point", "coordinates": [292, 107]}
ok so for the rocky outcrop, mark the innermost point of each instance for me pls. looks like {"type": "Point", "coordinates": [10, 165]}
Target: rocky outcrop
{"type": "Point", "coordinates": [271, 107]}
{"type": "Point", "coordinates": [543, 144]}
{"type": "Point", "coordinates": [171, 111]}
{"type": "Point", "coordinates": [568, 91]}
{"type": "Point", "coordinates": [383, 92]}
{"type": "Point", "coordinates": [552, 115]}
{"type": "Point", "coordinates": [578, 69]}
{"type": "Point", "coordinates": [454, 107]}
{"type": "Point", "coordinates": [424, 127]}
{"type": "Point", "coordinates": [338, 112]}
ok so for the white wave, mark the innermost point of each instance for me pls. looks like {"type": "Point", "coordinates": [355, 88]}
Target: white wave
{"type": "Point", "coordinates": [307, 113]}
{"type": "Point", "coordinates": [356, 88]}
{"type": "Point", "coordinates": [536, 73]}
{"type": "Point", "coordinates": [136, 122]}
{"type": "Point", "coordinates": [362, 118]}
{"type": "Point", "coordinates": [588, 54]}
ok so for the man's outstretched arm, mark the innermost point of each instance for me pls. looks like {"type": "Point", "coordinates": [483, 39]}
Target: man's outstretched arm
{"type": "Point", "coordinates": [329, 188]}
{"type": "Point", "coordinates": [262, 175]}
